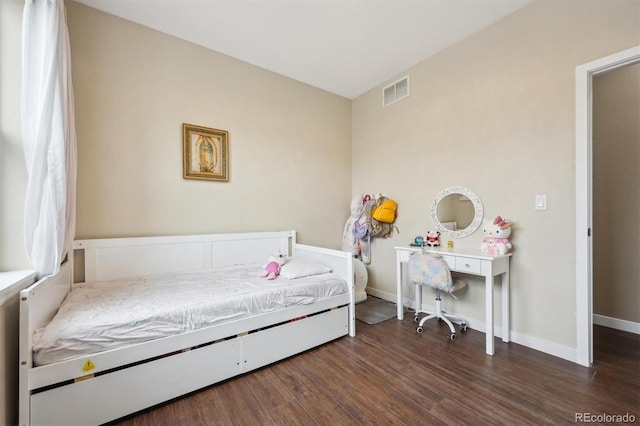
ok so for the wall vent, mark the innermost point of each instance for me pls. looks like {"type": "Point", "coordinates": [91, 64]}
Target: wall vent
{"type": "Point", "coordinates": [395, 91]}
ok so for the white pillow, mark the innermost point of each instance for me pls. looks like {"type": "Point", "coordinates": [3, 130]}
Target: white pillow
{"type": "Point", "coordinates": [298, 268]}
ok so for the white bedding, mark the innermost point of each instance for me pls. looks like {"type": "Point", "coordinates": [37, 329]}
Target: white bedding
{"type": "Point", "coordinates": [105, 315]}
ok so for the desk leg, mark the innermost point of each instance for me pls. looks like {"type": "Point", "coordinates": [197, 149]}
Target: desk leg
{"type": "Point", "coordinates": [489, 311]}
{"type": "Point", "coordinates": [399, 287]}
{"type": "Point", "coordinates": [505, 306]}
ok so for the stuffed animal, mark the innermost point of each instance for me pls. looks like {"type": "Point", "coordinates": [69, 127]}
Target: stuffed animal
{"type": "Point", "coordinates": [272, 268]}
{"type": "Point", "coordinates": [432, 239]}
{"type": "Point", "coordinates": [496, 236]}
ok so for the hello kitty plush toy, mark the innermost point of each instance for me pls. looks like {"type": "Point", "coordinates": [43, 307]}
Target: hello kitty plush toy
{"type": "Point", "coordinates": [432, 239]}
{"type": "Point", "coordinates": [272, 268]}
{"type": "Point", "coordinates": [496, 236]}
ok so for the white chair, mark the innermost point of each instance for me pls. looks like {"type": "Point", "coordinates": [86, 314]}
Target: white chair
{"type": "Point", "coordinates": [430, 269]}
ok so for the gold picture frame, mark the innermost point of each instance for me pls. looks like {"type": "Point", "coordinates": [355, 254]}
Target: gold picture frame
{"type": "Point", "coordinates": [205, 153]}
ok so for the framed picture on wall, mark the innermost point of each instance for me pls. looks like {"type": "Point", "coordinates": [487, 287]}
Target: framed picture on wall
{"type": "Point", "coordinates": [205, 153]}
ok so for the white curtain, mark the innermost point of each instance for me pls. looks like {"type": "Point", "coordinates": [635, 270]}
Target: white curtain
{"type": "Point", "coordinates": [48, 132]}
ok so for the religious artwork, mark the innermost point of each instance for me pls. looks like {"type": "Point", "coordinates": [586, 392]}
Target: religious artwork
{"type": "Point", "coordinates": [205, 153]}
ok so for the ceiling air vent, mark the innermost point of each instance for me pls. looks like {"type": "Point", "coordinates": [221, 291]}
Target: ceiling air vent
{"type": "Point", "coordinates": [395, 91]}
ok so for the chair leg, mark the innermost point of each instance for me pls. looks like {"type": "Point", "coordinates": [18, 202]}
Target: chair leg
{"type": "Point", "coordinates": [449, 323]}
{"type": "Point", "coordinates": [420, 327]}
{"type": "Point", "coordinates": [442, 315]}
{"type": "Point", "coordinates": [417, 318]}
{"type": "Point", "coordinates": [455, 317]}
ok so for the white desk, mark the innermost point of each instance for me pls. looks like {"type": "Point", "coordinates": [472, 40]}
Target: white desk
{"type": "Point", "coordinates": [472, 262]}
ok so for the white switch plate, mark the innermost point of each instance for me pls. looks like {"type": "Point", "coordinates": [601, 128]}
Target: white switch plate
{"type": "Point", "coordinates": [541, 202]}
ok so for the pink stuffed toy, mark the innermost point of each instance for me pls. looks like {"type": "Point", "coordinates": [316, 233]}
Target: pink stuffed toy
{"type": "Point", "coordinates": [272, 268]}
{"type": "Point", "coordinates": [496, 240]}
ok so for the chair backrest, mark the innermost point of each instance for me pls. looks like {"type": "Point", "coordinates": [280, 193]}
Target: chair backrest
{"type": "Point", "coordinates": [429, 269]}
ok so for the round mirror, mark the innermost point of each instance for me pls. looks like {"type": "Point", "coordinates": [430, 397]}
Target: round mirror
{"type": "Point", "coordinates": [457, 212]}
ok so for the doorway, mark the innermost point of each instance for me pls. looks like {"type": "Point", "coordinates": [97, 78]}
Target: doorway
{"type": "Point", "coordinates": [616, 199]}
{"type": "Point", "coordinates": [584, 198]}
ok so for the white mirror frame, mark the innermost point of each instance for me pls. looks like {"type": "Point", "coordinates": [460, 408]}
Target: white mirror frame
{"type": "Point", "coordinates": [477, 218]}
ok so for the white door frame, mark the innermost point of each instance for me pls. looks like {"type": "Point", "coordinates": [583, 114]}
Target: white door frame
{"type": "Point", "coordinates": [584, 253]}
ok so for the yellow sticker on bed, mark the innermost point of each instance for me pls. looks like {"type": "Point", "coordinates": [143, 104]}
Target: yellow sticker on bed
{"type": "Point", "coordinates": [88, 366]}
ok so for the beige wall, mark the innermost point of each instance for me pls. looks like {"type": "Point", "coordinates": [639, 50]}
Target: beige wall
{"type": "Point", "coordinates": [496, 113]}
{"type": "Point", "coordinates": [290, 143]}
{"type": "Point", "coordinates": [616, 189]}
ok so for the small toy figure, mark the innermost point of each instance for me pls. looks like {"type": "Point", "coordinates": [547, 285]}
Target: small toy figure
{"type": "Point", "coordinates": [432, 239]}
{"type": "Point", "coordinates": [272, 268]}
{"type": "Point", "coordinates": [496, 240]}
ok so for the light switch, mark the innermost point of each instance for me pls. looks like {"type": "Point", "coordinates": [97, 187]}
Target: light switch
{"type": "Point", "coordinates": [541, 202]}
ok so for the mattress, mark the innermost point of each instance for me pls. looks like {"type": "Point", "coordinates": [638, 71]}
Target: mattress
{"type": "Point", "coordinates": [105, 315]}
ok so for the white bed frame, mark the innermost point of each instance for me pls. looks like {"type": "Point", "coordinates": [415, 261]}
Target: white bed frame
{"type": "Point", "coordinates": [111, 384]}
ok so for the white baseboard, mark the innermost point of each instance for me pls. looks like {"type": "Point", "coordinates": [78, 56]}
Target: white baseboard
{"type": "Point", "coordinates": [618, 324]}
{"type": "Point", "coordinates": [560, 351]}
{"type": "Point", "coordinates": [391, 297]}
{"type": "Point", "coordinates": [550, 348]}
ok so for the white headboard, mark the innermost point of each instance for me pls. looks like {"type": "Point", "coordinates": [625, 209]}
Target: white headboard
{"type": "Point", "coordinates": [112, 258]}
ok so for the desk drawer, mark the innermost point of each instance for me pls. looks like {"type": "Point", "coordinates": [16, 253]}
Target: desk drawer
{"type": "Point", "coordinates": [451, 261]}
{"type": "Point", "coordinates": [465, 264]}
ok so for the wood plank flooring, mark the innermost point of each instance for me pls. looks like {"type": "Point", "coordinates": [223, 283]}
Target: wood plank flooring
{"type": "Point", "coordinates": [389, 374]}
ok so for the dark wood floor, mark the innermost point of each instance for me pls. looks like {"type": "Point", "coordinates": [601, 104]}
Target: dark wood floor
{"type": "Point", "coordinates": [388, 374]}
